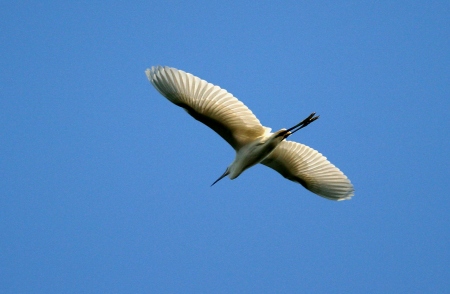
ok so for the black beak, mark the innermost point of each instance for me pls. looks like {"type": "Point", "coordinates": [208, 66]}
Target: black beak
{"type": "Point", "coordinates": [222, 176]}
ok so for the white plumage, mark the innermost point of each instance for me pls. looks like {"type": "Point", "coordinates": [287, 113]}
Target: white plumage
{"type": "Point", "coordinates": [254, 143]}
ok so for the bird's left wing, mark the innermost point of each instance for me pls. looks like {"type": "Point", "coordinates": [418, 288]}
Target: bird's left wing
{"type": "Point", "coordinates": [306, 166]}
{"type": "Point", "coordinates": [209, 104]}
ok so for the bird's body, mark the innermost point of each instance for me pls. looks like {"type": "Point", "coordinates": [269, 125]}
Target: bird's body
{"type": "Point", "coordinates": [253, 153]}
{"type": "Point", "coordinates": [254, 143]}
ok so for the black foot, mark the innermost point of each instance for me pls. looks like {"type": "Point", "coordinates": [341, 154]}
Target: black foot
{"type": "Point", "coordinates": [303, 123]}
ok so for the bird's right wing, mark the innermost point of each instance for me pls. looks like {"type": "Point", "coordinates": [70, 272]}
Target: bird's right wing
{"type": "Point", "coordinates": [306, 166]}
{"type": "Point", "coordinates": [209, 104]}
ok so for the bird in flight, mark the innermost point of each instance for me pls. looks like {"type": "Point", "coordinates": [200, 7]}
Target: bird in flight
{"type": "Point", "coordinates": [253, 143]}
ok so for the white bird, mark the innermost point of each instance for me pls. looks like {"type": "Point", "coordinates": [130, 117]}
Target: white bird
{"type": "Point", "coordinates": [254, 143]}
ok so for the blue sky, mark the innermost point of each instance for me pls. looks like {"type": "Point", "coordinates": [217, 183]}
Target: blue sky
{"type": "Point", "coordinates": [105, 185]}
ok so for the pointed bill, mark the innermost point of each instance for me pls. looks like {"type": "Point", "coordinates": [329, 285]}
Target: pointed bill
{"type": "Point", "coordinates": [222, 176]}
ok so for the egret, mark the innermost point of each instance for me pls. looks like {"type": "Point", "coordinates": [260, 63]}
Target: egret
{"type": "Point", "coordinates": [253, 143]}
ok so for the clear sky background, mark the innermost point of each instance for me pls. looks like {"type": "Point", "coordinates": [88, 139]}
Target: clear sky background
{"type": "Point", "coordinates": [105, 185]}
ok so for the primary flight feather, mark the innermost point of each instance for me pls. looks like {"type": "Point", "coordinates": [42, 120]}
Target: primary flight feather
{"type": "Point", "coordinates": [254, 143]}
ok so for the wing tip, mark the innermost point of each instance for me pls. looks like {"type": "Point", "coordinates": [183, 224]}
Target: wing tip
{"type": "Point", "coordinates": [344, 196]}
{"type": "Point", "coordinates": [348, 197]}
{"type": "Point", "coordinates": [151, 71]}
{"type": "Point", "coordinates": [148, 73]}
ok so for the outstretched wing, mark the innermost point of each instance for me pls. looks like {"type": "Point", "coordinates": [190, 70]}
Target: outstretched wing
{"type": "Point", "coordinates": [304, 165]}
{"type": "Point", "coordinates": [209, 104]}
